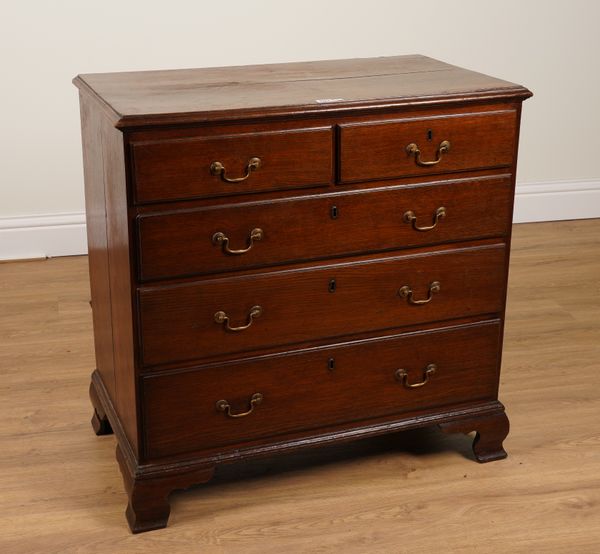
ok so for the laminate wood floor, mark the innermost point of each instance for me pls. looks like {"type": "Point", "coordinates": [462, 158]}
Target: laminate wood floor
{"type": "Point", "coordinates": [420, 491]}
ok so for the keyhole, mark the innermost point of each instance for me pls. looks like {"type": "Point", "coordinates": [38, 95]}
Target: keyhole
{"type": "Point", "coordinates": [429, 134]}
{"type": "Point", "coordinates": [334, 212]}
{"type": "Point", "coordinates": [332, 285]}
{"type": "Point", "coordinates": [331, 364]}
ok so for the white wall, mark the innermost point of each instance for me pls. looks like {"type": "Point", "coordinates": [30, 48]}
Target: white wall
{"type": "Point", "coordinates": [550, 46]}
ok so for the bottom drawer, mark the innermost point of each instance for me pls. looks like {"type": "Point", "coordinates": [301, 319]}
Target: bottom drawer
{"type": "Point", "coordinates": [307, 389]}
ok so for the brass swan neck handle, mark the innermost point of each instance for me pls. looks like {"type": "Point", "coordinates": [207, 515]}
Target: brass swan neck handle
{"type": "Point", "coordinates": [410, 217]}
{"type": "Point", "coordinates": [217, 168]}
{"type": "Point", "coordinates": [220, 238]}
{"type": "Point", "coordinates": [224, 406]}
{"type": "Point", "coordinates": [413, 149]}
{"type": "Point", "coordinates": [222, 317]}
{"type": "Point", "coordinates": [406, 292]}
{"type": "Point", "coordinates": [402, 376]}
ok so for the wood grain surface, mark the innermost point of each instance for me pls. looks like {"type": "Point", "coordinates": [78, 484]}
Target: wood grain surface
{"type": "Point", "coordinates": [196, 95]}
{"type": "Point", "coordinates": [180, 243]}
{"type": "Point", "coordinates": [177, 322]}
{"type": "Point", "coordinates": [301, 391]}
{"type": "Point", "coordinates": [377, 150]}
{"type": "Point", "coordinates": [106, 221]}
{"type": "Point", "coordinates": [411, 492]}
{"type": "Point", "coordinates": [181, 168]}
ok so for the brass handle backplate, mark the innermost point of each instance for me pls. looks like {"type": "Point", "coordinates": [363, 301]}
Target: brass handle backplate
{"type": "Point", "coordinates": [222, 317]}
{"type": "Point", "coordinates": [402, 376]}
{"type": "Point", "coordinates": [406, 292]}
{"type": "Point", "coordinates": [223, 240]}
{"type": "Point", "coordinates": [410, 217]}
{"type": "Point", "coordinates": [412, 148]}
{"type": "Point", "coordinates": [217, 168]}
{"type": "Point", "coordinates": [224, 406]}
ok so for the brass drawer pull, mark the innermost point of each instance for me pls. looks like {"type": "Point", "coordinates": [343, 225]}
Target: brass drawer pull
{"type": "Point", "coordinates": [217, 168]}
{"type": "Point", "coordinates": [410, 217]}
{"type": "Point", "coordinates": [406, 292]}
{"type": "Point", "coordinates": [222, 239]}
{"type": "Point", "coordinates": [223, 406]}
{"type": "Point", "coordinates": [402, 376]}
{"type": "Point", "coordinates": [222, 317]}
{"type": "Point", "coordinates": [412, 148]}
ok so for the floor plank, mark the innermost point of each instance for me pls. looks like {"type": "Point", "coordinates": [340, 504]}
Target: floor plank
{"type": "Point", "coordinates": [417, 491]}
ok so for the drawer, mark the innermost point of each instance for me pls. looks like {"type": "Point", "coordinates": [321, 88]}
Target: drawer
{"type": "Point", "coordinates": [306, 390]}
{"type": "Point", "coordinates": [204, 166]}
{"type": "Point", "coordinates": [205, 240]}
{"type": "Point", "coordinates": [386, 149]}
{"type": "Point", "coordinates": [190, 320]}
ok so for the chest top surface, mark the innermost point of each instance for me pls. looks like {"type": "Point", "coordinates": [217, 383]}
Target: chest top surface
{"type": "Point", "coordinates": [196, 95]}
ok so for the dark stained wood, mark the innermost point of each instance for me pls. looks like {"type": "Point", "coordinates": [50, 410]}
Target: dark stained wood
{"type": "Point", "coordinates": [108, 247]}
{"type": "Point", "coordinates": [269, 126]}
{"type": "Point", "coordinates": [491, 431]}
{"type": "Point", "coordinates": [330, 197]}
{"type": "Point", "coordinates": [97, 240]}
{"type": "Point", "coordinates": [509, 237]}
{"type": "Point", "coordinates": [121, 296]}
{"type": "Point", "coordinates": [198, 95]}
{"type": "Point", "coordinates": [177, 322]}
{"type": "Point", "coordinates": [148, 507]}
{"type": "Point", "coordinates": [180, 168]}
{"type": "Point", "coordinates": [100, 422]}
{"type": "Point", "coordinates": [377, 150]}
{"type": "Point", "coordinates": [308, 390]}
{"type": "Point", "coordinates": [179, 243]}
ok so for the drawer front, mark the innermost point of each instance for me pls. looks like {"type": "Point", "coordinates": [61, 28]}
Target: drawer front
{"type": "Point", "coordinates": [305, 390]}
{"type": "Point", "coordinates": [187, 167]}
{"type": "Point", "coordinates": [210, 240]}
{"type": "Point", "coordinates": [189, 321]}
{"type": "Point", "coordinates": [382, 150]}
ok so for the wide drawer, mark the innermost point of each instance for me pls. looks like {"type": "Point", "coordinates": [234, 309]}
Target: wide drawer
{"type": "Point", "coordinates": [420, 146]}
{"type": "Point", "coordinates": [204, 166]}
{"type": "Point", "coordinates": [215, 239]}
{"type": "Point", "coordinates": [304, 390]}
{"type": "Point", "coordinates": [192, 320]}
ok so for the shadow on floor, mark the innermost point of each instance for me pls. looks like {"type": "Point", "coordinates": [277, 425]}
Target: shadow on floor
{"type": "Point", "coordinates": [415, 442]}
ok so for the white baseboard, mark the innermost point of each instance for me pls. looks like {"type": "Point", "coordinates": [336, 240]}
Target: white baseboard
{"type": "Point", "coordinates": [42, 236]}
{"type": "Point", "coordinates": [45, 236]}
{"type": "Point", "coordinates": [556, 201]}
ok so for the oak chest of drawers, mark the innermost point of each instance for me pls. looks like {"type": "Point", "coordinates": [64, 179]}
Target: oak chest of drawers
{"type": "Point", "coordinates": [283, 256]}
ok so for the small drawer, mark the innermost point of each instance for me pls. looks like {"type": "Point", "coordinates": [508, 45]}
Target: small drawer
{"type": "Point", "coordinates": [215, 239]}
{"type": "Point", "coordinates": [216, 317]}
{"type": "Point", "coordinates": [221, 165]}
{"type": "Point", "coordinates": [428, 145]}
{"type": "Point", "coordinates": [233, 404]}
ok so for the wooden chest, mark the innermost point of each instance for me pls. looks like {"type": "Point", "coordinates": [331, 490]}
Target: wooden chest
{"type": "Point", "coordinates": [282, 256]}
